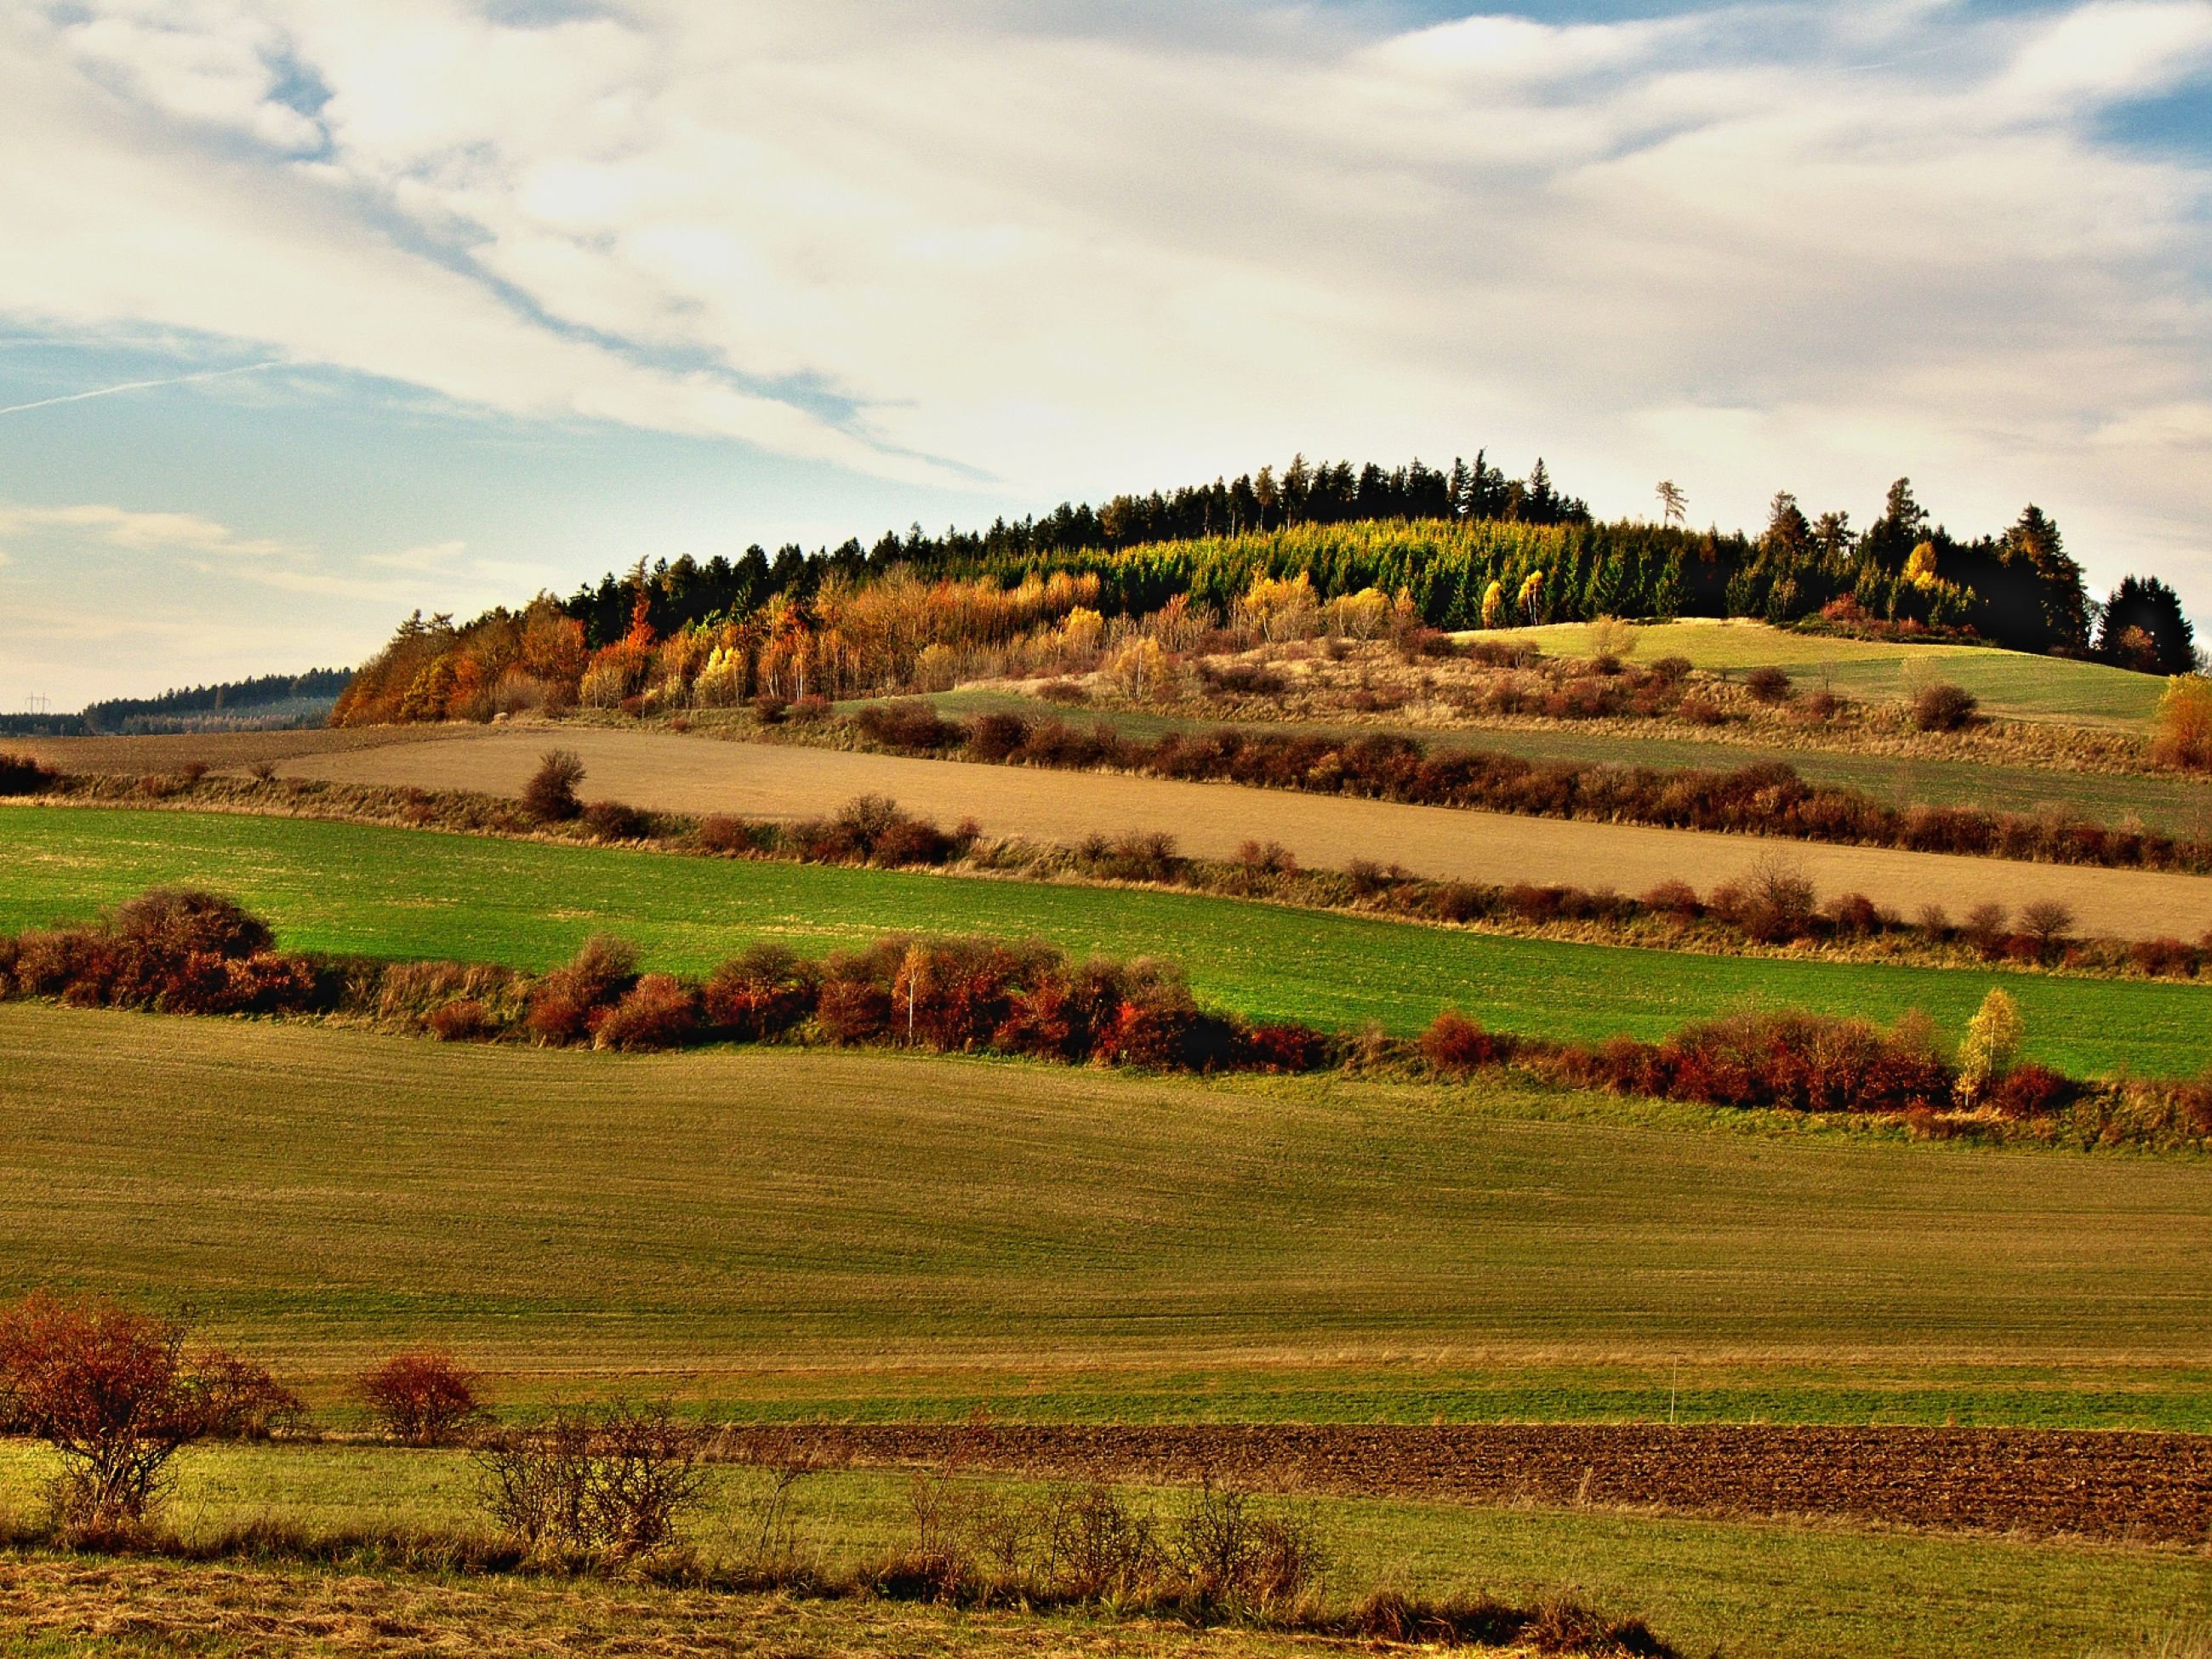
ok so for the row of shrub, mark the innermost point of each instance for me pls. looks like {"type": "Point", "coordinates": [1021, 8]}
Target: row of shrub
{"type": "Point", "coordinates": [986, 995]}
{"type": "Point", "coordinates": [1774, 905]}
{"type": "Point", "coordinates": [1768, 798]}
{"type": "Point", "coordinates": [195, 954]}
{"type": "Point", "coordinates": [117, 1394]}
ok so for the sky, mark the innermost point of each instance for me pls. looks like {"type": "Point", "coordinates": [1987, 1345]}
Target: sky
{"type": "Point", "coordinates": [314, 312]}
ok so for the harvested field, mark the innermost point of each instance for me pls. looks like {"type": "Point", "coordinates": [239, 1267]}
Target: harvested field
{"type": "Point", "coordinates": [750, 1223]}
{"type": "Point", "coordinates": [676, 772]}
{"type": "Point", "coordinates": [219, 750]}
{"type": "Point", "coordinates": [2144, 1488]}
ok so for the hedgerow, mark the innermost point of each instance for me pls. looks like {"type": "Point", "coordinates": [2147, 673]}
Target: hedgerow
{"type": "Point", "coordinates": [981, 995]}
{"type": "Point", "coordinates": [1767, 798]}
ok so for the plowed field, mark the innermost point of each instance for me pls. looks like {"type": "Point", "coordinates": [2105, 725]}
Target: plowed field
{"type": "Point", "coordinates": [2142, 1487]}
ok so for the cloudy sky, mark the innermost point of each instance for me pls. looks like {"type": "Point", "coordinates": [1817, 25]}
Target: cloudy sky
{"type": "Point", "coordinates": [312, 311]}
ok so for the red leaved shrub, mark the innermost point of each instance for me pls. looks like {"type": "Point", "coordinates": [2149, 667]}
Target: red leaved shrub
{"type": "Point", "coordinates": [1456, 1045]}
{"type": "Point", "coordinates": [658, 1011]}
{"type": "Point", "coordinates": [760, 995]}
{"type": "Point", "coordinates": [424, 1397]}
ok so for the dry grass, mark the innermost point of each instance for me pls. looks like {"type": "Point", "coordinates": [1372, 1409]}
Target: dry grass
{"type": "Point", "coordinates": [55, 1605]}
{"type": "Point", "coordinates": [665, 771]}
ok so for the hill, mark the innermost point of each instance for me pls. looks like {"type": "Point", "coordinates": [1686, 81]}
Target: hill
{"type": "Point", "coordinates": [1417, 549]}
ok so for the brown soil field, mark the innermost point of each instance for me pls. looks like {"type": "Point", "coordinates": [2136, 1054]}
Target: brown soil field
{"type": "Point", "coordinates": [2144, 1488]}
{"type": "Point", "coordinates": [673, 773]}
{"type": "Point", "coordinates": [232, 751]}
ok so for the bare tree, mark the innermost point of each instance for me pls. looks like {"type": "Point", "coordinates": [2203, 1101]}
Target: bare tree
{"type": "Point", "coordinates": [1673, 502]}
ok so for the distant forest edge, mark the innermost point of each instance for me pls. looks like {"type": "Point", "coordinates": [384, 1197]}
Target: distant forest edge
{"type": "Point", "coordinates": [1464, 549]}
{"type": "Point", "coordinates": [270, 702]}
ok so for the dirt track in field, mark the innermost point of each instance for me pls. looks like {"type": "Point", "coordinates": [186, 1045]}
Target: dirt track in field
{"type": "Point", "coordinates": [674, 773]}
{"type": "Point", "coordinates": [2142, 1487]}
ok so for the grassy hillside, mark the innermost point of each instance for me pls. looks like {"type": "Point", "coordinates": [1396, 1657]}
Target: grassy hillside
{"type": "Point", "coordinates": [406, 893]}
{"type": "Point", "coordinates": [2007, 682]}
{"type": "Point", "coordinates": [820, 1231]}
{"type": "Point", "coordinates": [1782, 1591]}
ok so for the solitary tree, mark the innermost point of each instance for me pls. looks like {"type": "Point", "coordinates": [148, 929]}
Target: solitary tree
{"type": "Point", "coordinates": [1992, 1046]}
{"type": "Point", "coordinates": [1673, 502]}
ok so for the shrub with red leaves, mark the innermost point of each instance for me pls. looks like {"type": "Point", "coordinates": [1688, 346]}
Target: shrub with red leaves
{"type": "Point", "coordinates": [424, 1397]}
{"type": "Point", "coordinates": [114, 1392]}
{"type": "Point", "coordinates": [658, 1011]}
{"type": "Point", "coordinates": [760, 995]}
{"type": "Point", "coordinates": [1456, 1045]}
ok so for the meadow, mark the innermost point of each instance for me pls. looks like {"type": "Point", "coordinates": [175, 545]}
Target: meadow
{"type": "Point", "coordinates": [2009, 683]}
{"type": "Point", "coordinates": [401, 893]}
{"type": "Point", "coordinates": [1735, 1587]}
{"type": "Point", "coordinates": [746, 1228]}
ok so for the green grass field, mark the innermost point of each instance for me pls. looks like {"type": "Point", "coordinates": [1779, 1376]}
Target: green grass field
{"type": "Point", "coordinates": [788, 1231]}
{"type": "Point", "coordinates": [2012, 683]}
{"type": "Point", "coordinates": [1736, 1586]}
{"type": "Point", "coordinates": [410, 893]}
{"type": "Point", "coordinates": [2176, 805]}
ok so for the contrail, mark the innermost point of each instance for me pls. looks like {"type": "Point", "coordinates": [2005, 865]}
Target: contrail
{"type": "Point", "coordinates": [139, 385]}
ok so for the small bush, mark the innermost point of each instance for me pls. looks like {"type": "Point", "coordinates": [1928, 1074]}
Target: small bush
{"type": "Point", "coordinates": [424, 1397]}
{"type": "Point", "coordinates": [908, 724]}
{"type": "Point", "coordinates": [1944, 707]}
{"type": "Point", "coordinates": [20, 774]}
{"type": "Point", "coordinates": [116, 1396]}
{"type": "Point", "coordinates": [1456, 1045]}
{"type": "Point", "coordinates": [465, 1019]}
{"type": "Point", "coordinates": [610, 820]}
{"type": "Point", "coordinates": [1700, 711]}
{"type": "Point", "coordinates": [242, 1401]}
{"type": "Point", "coordinates": [609, 1486]}
{"type": "Point", "coordinates": [726, 835]}
{"type": "Point", "coordinates": [761, 994]}
{"type": "Point", "coordinates": [1768, 684]}
{"type": "Point", "coordinates": [810, 709]}
{"type": "Point", "coordinates": [551, 795]}
{"type": "Point", "coordinates": [660, 1011]}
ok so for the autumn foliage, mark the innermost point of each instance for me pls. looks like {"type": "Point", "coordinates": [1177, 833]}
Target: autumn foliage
{"type": "Point", "coordinates": [117, 1394]}
{"type": "Point", "coordinates": [423, 1397]}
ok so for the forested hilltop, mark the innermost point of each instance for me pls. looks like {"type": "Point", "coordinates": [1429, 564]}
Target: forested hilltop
{"type": "Point", "coordinates": [1411, 546]}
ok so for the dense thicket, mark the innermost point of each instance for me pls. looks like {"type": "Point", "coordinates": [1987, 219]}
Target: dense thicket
{"type": "Point", "coordinates": [1462, 549]}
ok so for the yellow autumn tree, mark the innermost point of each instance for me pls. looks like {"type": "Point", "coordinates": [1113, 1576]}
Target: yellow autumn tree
{"type": "Point", "coordinates": [2185, 723]}
{"type": "Point", "coordinates": [1991, 1047]}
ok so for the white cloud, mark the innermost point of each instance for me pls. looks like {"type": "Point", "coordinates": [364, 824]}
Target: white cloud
{"type": "Point", "coordinates": [1759, 245]}
{"type": "Point", "coordinates": [133, 531]}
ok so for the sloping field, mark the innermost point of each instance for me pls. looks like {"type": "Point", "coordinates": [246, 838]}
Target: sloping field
{"type": "Point", "coordinates": [410, 893]}
{"type": "Point", "coordinates": [2014, 683]}
{"type": "Point", "coordinates": [702, 1219]}
{"type": "Point", "coordinates": [675, 773]}
{"type": "Point", "coordinates": [2173, 804]}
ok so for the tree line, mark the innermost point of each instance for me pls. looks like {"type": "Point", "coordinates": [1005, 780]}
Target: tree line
{"type": "Point", "coordinates": [1460, 549]}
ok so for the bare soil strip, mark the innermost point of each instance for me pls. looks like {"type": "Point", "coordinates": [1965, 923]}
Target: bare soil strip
{"type": "Point", "coordinates": [2144, 1488]}
{"type": "Point", "coordinates": [672, 772]}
